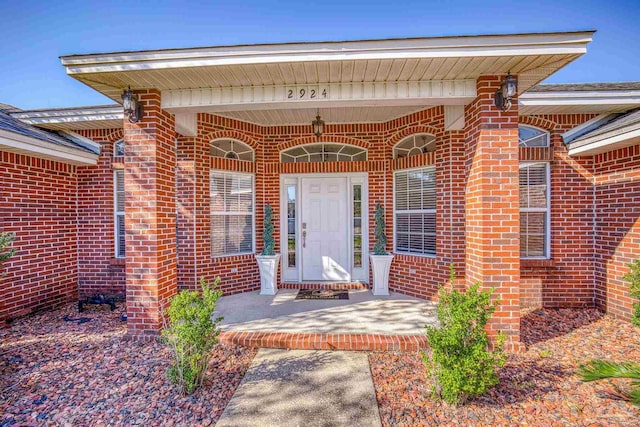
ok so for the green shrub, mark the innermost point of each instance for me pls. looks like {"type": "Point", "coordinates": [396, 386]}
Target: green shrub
{"type": "Point", "coordinates": [380, 247]}
{"type": "Point", "coordinates": [601, 369]}
{"type": "Point", "coordinates": [633, 277]}
{"type": "Point", "coordinates": [267, 235]}
{"type": "Point", "coordinates": [5, 241]}
{"type": "Point", "coordinates": [191, 334]}
{"type": "Point", "coordinates": [460, 362]}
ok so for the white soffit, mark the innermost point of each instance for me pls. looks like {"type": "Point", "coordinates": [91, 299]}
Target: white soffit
{"type": "Point", "coordinates": [533, 57]}
{"type": "Point", "coordinates": [576, 102]}
{"type": "Point", "coordinates": [70, 119]}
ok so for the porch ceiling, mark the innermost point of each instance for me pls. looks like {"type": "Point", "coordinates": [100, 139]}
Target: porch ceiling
{"type": "Point", "coordinates": [394, 76]}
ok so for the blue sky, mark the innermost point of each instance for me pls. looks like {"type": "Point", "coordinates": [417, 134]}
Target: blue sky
{"type": "Point", "coordinates": [35, 33]}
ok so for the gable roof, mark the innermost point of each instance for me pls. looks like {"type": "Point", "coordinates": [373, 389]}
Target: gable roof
{"type": "Point", "coordinates": [21, 137]}
{"type": "Point", "coordinates": [584, 87]}
{"type": "Point", "coordinates": [605, 133]}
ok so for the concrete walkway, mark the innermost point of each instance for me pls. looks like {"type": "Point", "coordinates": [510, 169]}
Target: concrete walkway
{"type": "Point", "coordinates": [304, 388]}
{"type": "Point", "coordinates": [362, 313]}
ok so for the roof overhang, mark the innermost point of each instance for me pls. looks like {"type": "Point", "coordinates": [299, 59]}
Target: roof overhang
{"type": "Point", "coordinates": [72, 119]}
{"type": "Point", "coordinates": [618, 138]}
{"type": "Point", "coordinates": [578, 102]}
{"type": "Point", "coordinates": [396, 75]}
{"type": "Point", "coordinates": [22, 144]}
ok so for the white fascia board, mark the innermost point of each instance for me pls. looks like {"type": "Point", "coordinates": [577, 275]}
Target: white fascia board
{"type": "Point", "coordinates": [573, 98]}
{"type": "Point", "coordinates": [606, 142]}
{"type": "Point", "coordinates": [14, 142]}
{"type": "Point", "coordinates": [585, 127]}
{"type": "Point", "coordinates": [85, 142]}
{"type": "Point", "coordinates": [439, 47]}
{"type": "Point", "coordinates": [43, 117]}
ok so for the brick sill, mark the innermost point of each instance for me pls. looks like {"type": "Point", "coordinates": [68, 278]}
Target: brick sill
{"type": "Point", "coordinates": [117, 262]}
{"type": "Point", "coordinates": [537, 263]}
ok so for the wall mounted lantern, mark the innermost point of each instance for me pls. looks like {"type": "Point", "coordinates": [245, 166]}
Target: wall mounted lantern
{"type": "Point", "coordinates": [132, 107]}
{"type": "Point", "coordinates": [503, 97]}
{"type": "Point", "coordinates": [318, 125]}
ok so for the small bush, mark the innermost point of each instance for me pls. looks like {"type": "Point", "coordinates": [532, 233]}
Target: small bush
{"type": "Point", "coordinates": [191, 334]}
{"type": "Point", "coordinates": [460, 363]}
{"type": "Point", "coordinates": [633, 277]}
{"type": "Point", "coordinates": [5, 241]}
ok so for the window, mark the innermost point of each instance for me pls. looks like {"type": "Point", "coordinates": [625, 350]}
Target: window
{"type": "Point", "coordinates": [291, 226]}
{"type": "Point", "coordinates": [414, 145]}
{"type": "Point", "coordinates": [357, 225]}
{"type": "Point", "coordinates": [231, 149]}
{"type": "Point", "coordinates": [534, 210]}
{"type": "Point", "coordinates": [118, 148]}
{"type": "Point", "coordinates": [532, 137]}
{"type": "Point", "coordinates": [118, 211]}
{"type": "Point", "coordinates": [326, 152]}
{"type": "Point", "coordinates": [415, 211]}
{"type": "Point", "coordinates": [232, 220]}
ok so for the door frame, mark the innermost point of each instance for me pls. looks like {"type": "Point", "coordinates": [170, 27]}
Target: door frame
{"type": "Point", "coordinates": [294, 275]}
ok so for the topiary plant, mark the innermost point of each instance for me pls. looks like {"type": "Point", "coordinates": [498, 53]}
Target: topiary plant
{"type": "Point", "coordinates": [460, 362]}
{"type": "Point", "coordinates": [380, 247]}
{"type": "Point", "coordinates": [633, 277]}
{"type": "Point", "coordinates": [191, 334]}
{"type": "Point", "coordinates": [5, 241]}
{"type": "Point", "coordinates": [267, 234]}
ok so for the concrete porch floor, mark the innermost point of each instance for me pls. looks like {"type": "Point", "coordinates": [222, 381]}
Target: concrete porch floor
{"type": "Point", "coordinates": [362, 314]}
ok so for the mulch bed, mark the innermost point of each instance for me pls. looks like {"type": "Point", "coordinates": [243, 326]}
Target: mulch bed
{"type": "Point", "coordinates": [54, 372]}
{"type": "Point", "coordinates": [538, 387]}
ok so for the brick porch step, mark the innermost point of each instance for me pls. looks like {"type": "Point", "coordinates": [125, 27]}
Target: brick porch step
{"type": "Point", "coordinates": [347, 286]}
{"type": "Point", "coordinates": [302, 341]}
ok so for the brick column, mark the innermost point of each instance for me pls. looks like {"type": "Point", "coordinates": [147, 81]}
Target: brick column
{"type": "Point", "coordinates": [492, 213]}
{"type": "Point", "coordinates": [186, 204]}
{"type": "Point", "coordinates": [150, 216]}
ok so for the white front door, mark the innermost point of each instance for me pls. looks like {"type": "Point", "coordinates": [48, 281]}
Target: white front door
{"type": "Point", "coordinates": [325, 230]}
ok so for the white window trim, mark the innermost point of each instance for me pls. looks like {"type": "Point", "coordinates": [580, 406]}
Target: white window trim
{"type": "Point", "coordinates": [116, 214]}
{"type": "Point", "coordinates": [547, 210]}
{"type": "Point", "coordinates": [395, 221]}
{"type": "Point", "coordinates": [253, 213]}
{"type": "Point", "coordinates": [544, 131]}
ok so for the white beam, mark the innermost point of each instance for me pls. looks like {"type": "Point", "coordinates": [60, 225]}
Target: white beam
{"type": "Point", "coordinates": [186, 123]}
{"type": "Point", "coordinates": [440, 92]}
{"type": "Point", "coordinates": [454, 117]}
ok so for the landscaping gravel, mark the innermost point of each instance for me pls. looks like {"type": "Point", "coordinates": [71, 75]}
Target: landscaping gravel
{"type": "Point", "coordinates": [538, 387]}
{"type": "Point", "coordinates": [54, 372]}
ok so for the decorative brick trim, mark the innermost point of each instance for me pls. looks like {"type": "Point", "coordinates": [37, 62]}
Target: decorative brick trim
{"type": "Point", "coordinates": [338, 139]}
{"type": "Point", "coordinates": [537, 263]}
{"type": "Point", "coordinates": [232, 165]}
{"type": "Point", "coordinates": [426, 159]}
{"type": "Point", "coordinates": [231, 134]}
{"type": "Point", "coordinates": [535, 153]}
{"type": "Point", "coordinates": [302, 341]}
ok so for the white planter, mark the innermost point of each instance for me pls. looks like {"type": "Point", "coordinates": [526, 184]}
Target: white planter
{"type": "Point", "coordinates": [268, 265]}
{"type": "Point", "coordinates": [381, 264]}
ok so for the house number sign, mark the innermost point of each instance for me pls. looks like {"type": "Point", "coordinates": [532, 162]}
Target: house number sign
{"type": "Point", "coordinates": [307, 93]}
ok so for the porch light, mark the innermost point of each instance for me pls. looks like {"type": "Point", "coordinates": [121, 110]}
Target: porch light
{"type": "Point", "coordinates": [318, 125]}
{"type": "Point", "coordinates": [132, 108]}
{"type": "Point", "coordinates": [503, 97]}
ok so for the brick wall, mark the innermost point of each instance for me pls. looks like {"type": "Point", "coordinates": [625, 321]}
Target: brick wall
{"type": "Point", "coordinates": [567, 280]}
{"type": "Point", "coordinates": [492, 227]}
{"type": "Point", "coordinates": [38, 199]}
{"type": "Point", "coordinates": [99, 272]}
{"type": "Point", "coordinates": [617, 190]}
{"type": "Point", "coordinates": [150, 217]}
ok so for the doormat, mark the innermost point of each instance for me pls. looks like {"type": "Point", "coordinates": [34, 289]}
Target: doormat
{"type": "Point", "coordinates": [323, 294]}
